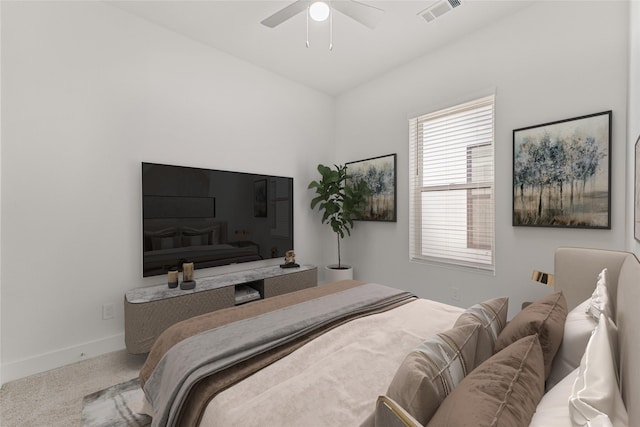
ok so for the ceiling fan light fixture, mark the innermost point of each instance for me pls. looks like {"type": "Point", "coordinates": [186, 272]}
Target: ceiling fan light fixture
{"type": "Point", "coordinates": [319, 11]}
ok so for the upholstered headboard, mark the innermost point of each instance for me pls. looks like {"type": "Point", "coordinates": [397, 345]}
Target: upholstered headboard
{"type": "Point", "coordinates": [576, 270]}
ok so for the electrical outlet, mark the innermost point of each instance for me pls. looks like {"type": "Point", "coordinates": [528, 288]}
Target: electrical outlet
{"type": "Point", "coordinates": [107, 311]}
{"type": "Point", "coordinates": [455, 293]}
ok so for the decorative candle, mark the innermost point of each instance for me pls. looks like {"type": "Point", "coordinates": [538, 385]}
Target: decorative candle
{"type": "Point", "coordinates": [187, 271]}
{"type": "Point", "coordinates": [173, 278]}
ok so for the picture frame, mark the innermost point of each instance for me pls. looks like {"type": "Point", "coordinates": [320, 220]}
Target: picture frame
{"type": "Point", "coordinates": [379, 173]}
{"type": "Point", "coordinates": [636, 210]}
{"type": "Point", "coordinates": [562, 173]}
{"type": "Point", "coordinates": [260, 198]}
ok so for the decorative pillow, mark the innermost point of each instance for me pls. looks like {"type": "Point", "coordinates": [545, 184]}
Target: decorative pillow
{"type": "Point", "coordinates": [492, 315]}
{"type": "Point", "coordinates": [199, 240]}
{"type": "Point", "coordinates": [431, 371]}
{"type": "Point", "coordinates": [390, 414]}
{"type": "Point", "coordinates": [595, 397]}
{"type": "Point", "coordinates": [600, 301]}
{"type": "Point", "coordinates": [577, 330]}
{"type": "Point", "coordinates": [160, 239]}
{"type": "Point", "coordinates": [553, 409]}
{"type": "Point", "coordinates": [201, 236]}
{"type": "Point", "coordinates": [545, 318]}
{"type": "Point", "coordinates": [502, 392]}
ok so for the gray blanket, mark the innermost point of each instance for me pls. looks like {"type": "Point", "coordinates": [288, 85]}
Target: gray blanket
{"type": "Point", "coordinates": [211, 351]}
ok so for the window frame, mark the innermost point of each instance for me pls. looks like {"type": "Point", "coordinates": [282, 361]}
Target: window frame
{"type": "Point", "coordinates": [417, 187]}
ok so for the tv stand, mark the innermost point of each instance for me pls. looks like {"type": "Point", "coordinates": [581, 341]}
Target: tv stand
{"type": "Point", "coordinates": [150, 310]}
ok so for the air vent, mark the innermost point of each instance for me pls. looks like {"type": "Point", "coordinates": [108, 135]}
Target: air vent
{"type": "Point", "coordinates": [438, 8]}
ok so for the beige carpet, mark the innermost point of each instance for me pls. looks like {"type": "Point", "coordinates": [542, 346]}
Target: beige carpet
{"type": "Point", "coordinates": [54, 398]}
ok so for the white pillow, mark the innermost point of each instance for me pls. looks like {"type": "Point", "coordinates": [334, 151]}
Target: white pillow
{"type": "Point", "coordinates": [600, 300]}
{"type": "Point", "coordinates": [553, 409]}
{"type": "Point", "coordinates": [577, 331]}
{"type": "Point", "coordinates": [595, 397]}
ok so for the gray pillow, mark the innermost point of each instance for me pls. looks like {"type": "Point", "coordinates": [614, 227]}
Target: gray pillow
{"type": "Point", "coordinates": [432, 370]}
{"type": "Point", "coordinates": [492, 315]}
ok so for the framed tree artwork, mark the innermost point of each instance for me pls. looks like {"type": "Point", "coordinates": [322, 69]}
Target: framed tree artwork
{"type": "Point", "coordinates": [379, 174]}
{"type": "Point", "coordinates": [562, 173]}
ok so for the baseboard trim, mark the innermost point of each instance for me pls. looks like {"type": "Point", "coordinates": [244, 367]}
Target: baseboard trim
{"type": "Point", "coordinates": [54, 359]}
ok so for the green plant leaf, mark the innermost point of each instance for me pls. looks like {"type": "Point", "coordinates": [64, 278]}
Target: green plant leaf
{"type": "Point", "coordinates": [338, 202]}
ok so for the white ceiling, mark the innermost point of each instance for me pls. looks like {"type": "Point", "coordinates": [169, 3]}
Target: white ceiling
{"type": "Point", "coordinates": [359, 54]}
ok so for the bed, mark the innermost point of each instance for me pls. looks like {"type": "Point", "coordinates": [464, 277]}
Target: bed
{"type": "Point", "coordinates": [205, 242]}
{"type": "Point", "coordinates": [353, 353]}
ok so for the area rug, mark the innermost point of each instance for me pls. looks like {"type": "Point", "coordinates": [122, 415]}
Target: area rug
{"type": "Point", "coordinates": [115, 406]}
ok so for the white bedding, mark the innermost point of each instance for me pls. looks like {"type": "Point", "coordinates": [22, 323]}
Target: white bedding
{"type": "Point", "coordinates": [335, 379]}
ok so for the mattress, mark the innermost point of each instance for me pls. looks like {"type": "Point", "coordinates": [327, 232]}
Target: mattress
{"type": "Point", "coordinates": [336, 378]}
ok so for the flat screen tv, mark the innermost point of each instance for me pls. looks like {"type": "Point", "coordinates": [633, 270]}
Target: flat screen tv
{"type": "Point", "coordinates": [212, 217]}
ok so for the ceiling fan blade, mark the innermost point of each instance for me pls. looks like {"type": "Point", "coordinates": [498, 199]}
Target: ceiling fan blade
{"type": "Point", "coordinates": [367, 15]}
{"type": "Point", "coordinates": [283, 14]}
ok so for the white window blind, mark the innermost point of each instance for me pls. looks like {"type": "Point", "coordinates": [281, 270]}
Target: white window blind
{"type": "Point", "coordinates": [451, 185]}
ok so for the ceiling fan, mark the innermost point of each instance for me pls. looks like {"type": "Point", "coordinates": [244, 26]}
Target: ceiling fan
{"type": "Point", "coordinates": [367, 15]}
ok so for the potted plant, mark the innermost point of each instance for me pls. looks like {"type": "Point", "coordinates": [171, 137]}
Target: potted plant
{"type": "Point", "coordinates": [338, 203]}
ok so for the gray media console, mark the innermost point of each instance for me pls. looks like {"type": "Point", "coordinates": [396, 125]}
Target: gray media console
{"type": "Point", "coordinates": [150, 310]}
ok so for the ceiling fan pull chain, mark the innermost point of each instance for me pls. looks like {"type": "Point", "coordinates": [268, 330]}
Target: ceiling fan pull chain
{"type": "Point", "coordinates": [308, 7]}
{"type": "Point", "coordinates": [330, 27]}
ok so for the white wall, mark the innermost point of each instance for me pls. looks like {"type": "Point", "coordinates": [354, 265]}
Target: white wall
{"type": "Point", "coordinates": [89, 92]}
{"type": "Point", "coordinates": [551, 61]}
{"type": "Point", "coordinates": [1, 382]}
{"type": "Point", "coordinates": [633, 117]}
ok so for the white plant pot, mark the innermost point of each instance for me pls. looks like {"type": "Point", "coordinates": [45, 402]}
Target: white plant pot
{"type": "Point", "coordinates": [334, 274]}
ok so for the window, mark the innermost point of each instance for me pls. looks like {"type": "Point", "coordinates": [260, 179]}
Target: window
{"type": "Point", "coordinates": [451, 185]}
